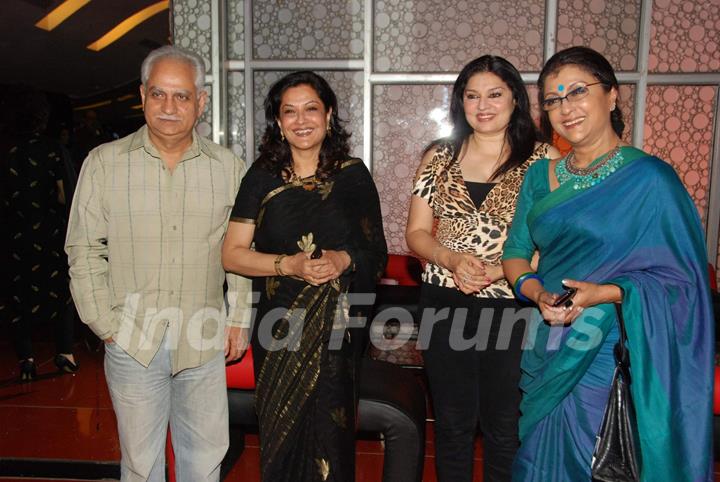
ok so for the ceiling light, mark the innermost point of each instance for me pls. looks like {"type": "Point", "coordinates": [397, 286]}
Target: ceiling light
{"type": "Point", "coordinates": [60, 14]}
{"type": "Point", "coordinates": [93, 105]}
{"type": "Point", "coordinates": [128, 24]}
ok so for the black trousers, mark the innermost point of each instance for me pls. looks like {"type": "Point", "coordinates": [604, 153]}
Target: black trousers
{"type": "Point", "coordinates": [473, 386]}
{"type": "Point", "coordinates": [63, 325]}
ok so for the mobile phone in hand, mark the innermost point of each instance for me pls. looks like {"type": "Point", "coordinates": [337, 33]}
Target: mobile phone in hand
{"type": "Point", "coordinates": [565, 298]}
{"type": "Point", "coordinates": [317, 254]}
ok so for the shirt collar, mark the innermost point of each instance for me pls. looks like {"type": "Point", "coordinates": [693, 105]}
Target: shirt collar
{"type": "Point", "coordinates": [141, 138]}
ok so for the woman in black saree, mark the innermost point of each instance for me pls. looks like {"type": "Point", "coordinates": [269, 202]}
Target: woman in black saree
{"type": "Point", "coordinates": [307, 227]}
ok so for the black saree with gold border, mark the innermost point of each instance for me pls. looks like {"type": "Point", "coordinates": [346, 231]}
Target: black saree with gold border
{"type": "Point", "coordinates": [305, 391]}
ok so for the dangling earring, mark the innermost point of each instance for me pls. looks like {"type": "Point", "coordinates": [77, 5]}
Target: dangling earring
{"type": "Point", "coordinates": [282, 136]}
{"type": "Point", "coordinates": [329, 130]}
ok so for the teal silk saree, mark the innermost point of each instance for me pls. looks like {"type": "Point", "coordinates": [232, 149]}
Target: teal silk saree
{"type": "Point", "coordinates": [640, 230]}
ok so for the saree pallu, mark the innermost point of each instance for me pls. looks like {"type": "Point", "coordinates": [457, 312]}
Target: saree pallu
{"type": "Point", "coordinates": [305, 382]}
{"type": "Point", "coordinates": [640, 230]}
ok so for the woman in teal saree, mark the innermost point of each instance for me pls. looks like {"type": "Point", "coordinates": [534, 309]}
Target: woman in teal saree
{"type": "Point", "coordinates": [616, 224]}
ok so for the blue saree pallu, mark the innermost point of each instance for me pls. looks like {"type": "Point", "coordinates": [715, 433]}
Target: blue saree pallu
{"type": "Point", "coordinates": [640, 230]}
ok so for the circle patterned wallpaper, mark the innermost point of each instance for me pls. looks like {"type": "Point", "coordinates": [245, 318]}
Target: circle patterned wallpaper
{"type": "Point", "coordinates": [308, 29]}
{"type": "Point", "coordinates": [348, 87]}
{"type": "Point", "coordinates": [609, 26]}
{"type": "Point", "coordinates": [192, 27]}
{"type": "Point", "coordinates": [679, 129]}
{"type": "Point", "coordinates": [627, 106]}
{"type": "Point", "coordinates": [431, 36]}
{"type": "Point", "coordinates": [204, 126]}
{"type": "Point", "coordinates": [236, 29]}
{"type": "Point", "coordinates": [236, 113]}
{"type": "Point", "coordinates": [684, 36]}
{"type": "Point", "coordinates": [406, 119]}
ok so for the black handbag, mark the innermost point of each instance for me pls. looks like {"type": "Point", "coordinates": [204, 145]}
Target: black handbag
{"type": "Point", "coordinates": [616, 457]}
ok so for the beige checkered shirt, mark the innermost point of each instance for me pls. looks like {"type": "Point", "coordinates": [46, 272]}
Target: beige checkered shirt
{"type": "Point", "coordinates": [144, 248]}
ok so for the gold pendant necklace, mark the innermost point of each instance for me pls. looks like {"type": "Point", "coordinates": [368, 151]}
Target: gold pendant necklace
{"type": "Point", "coordinates": [308, 183]}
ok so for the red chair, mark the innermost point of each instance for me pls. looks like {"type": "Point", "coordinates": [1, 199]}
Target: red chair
{"type": "Point", "coordinates": [402, 270]}
{"type": "Point", "coordinates": [242, 374]}
{"type": "Point", "coordinates": [716, 392]}
{"type": "Point", "coordinates": [170, 457]}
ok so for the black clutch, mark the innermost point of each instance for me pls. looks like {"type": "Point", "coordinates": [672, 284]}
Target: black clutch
{"type": "Point", "coordinates": [616, 457]}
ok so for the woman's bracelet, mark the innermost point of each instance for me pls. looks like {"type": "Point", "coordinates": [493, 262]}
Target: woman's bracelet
{"type": "Point", "coordinates": [279, 270]}
{"type": "Point", "coordinates": [517, 286]}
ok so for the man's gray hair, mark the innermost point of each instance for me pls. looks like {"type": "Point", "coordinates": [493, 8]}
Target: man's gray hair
{"type": "Point", "coordinates": [175, 53]}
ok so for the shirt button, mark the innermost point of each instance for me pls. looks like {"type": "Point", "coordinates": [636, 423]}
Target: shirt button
{"type": "Point", "coordinates": [172, 293]}
{"type": "Point", "coordinates": [174, 228]}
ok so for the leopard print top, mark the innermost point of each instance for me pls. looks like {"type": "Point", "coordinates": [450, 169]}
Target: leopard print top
{"type": "Point", "coordinates": [463, 227]}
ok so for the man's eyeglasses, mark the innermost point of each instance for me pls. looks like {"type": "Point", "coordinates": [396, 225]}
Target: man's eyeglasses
{"type": "Point", "coordinates": [578, 93]}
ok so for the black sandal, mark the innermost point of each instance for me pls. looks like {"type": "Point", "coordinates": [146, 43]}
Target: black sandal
{"type": "Point", "coordinates": [64, 364]}
{"type": "Point", "coordinates": [28, 370]}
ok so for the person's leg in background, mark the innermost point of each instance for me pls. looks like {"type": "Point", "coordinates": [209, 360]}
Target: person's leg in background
{"type": "Point", "coordinates": [21, 319]}
{"type": "Point", "coordinates": [65, 337]}
{"type": "Point", "coordinates": [21, 327]}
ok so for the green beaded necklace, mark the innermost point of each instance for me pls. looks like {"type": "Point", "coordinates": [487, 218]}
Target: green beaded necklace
{"type": "Point", "coordinates": [583, 178]}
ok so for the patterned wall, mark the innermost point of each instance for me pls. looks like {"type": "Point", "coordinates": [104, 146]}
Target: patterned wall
{"type": "Point", "coordinates": [627, 104]}
{"type": "Point", "coordinates": [289, 29]}
{"type": "Point", "coordinates": [235, 27]}
{"type": "Point", "coordinates": [349, 92]}
{"type": "Point", "coordinates": [192, 30]}
{"type": "Point", "coordinates": [236, 113]}
{"type": "Point", "coordinates": [429, 36]}
{"type": "Point", "coordinates": [684, 36]}
{"type": "Point", "coordinates": [684, 39]}
{"type": "Point", "coordinates": [409, 117]}
{"type": "Point", "coordinates": [432, 36]}
{"type": "Point", "coordinates": [192, 27]}
{"type": "Point", "coordinates": [609, 26]}
{"type": "Point", "coordinates": [679, 129]}
{"type": "Point", "coordinates": [204, 126]}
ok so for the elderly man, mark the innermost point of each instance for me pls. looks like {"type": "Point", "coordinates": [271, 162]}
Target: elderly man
{"type": "Point", "coordinates": [144, 239]}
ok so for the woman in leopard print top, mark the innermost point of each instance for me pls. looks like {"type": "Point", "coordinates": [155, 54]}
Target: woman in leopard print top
{"type": "Point", "coordinates": [468, 185]}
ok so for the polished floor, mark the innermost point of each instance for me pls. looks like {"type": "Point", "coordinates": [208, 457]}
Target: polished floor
{"type": "Point", "coordinates": [63, 417]}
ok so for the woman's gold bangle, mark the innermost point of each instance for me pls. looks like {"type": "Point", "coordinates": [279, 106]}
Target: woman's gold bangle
{"type": "Point", "coordinates": [279, 270]}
